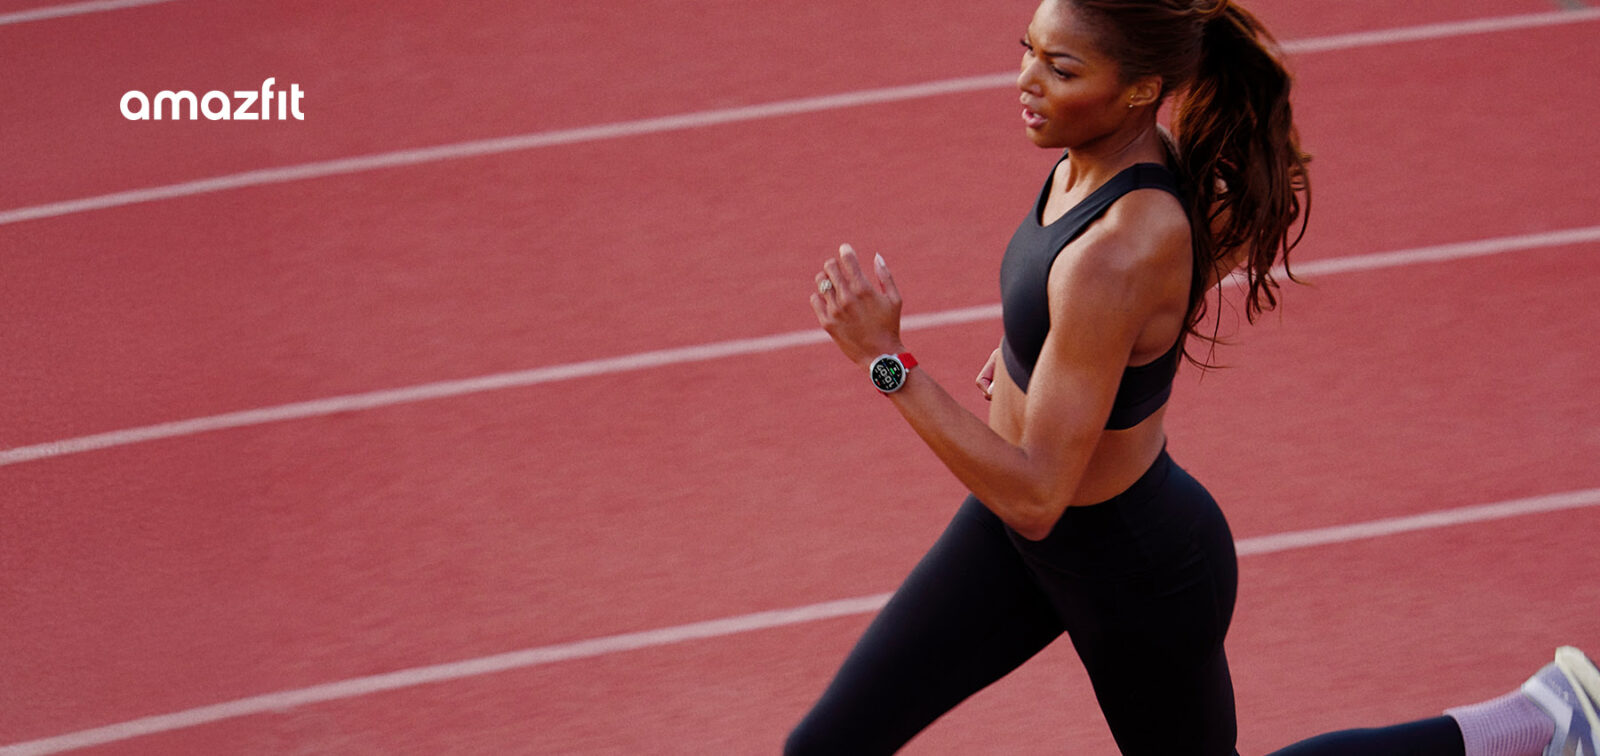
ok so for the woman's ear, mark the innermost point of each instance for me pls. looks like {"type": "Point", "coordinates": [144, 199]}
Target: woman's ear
{"type": "Point", "coordinates": [1146, 91]}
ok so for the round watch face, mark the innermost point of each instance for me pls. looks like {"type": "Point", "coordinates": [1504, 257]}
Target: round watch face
{"type": "Point", "coordinates": [888, 374]}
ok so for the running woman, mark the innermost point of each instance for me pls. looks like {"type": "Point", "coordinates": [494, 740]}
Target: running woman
{"type": "Point", "coordinates": [1079, 522]}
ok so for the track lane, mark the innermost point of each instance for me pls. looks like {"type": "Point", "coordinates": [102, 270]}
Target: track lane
{"type": "Point", "coordinates": [365, 71]}
{"type": "Point", "coordinates": [466, 528]}
{"type": "Point", "coordinates": [334, 290]}
{"type": "Point", "coordinates": [443, 73]}
{"type": "Point", "coordinates": [455, 275]}
{"type": "Point", "coordinates": [1404, 652]}
{"type": "Point", "coordinates": [706, 118]}
{"type": "Point", "coordinates": [727, 349]}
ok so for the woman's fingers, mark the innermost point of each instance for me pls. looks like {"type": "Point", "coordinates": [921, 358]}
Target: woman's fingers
{"type": "Point", "coordinates": [826, 289]}
{"type": "Point", "coordinates": [986, 375]}
{"type": "Point", "coordinates": [840, 284]}
{"type": "Point", "coordinates": [861, 315]}
{"type": "Point", "coordinates": [886, 281]}
{"type": "Point", "coordinates": [856, 278]}
{"type": "Point", "coordinates": [820, 307]}
{"type": "Point", "coordinates": [849, 284]}
{"type": "Point", "coordinates": [850, 268]}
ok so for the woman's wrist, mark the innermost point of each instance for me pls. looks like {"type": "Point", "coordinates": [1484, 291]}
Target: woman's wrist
{"type": "Point", "coordinates": [891, 348]}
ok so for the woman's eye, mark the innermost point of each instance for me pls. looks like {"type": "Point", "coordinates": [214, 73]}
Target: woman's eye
{"type": "Point", "coordinates": [1060, 74]}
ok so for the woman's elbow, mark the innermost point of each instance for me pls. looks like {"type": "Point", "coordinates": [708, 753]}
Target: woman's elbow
{"type": "Point", "coordinates": [1035, 520]}
{"type": "Point", "coordinates": [1032, 532]}
{"type": "Point", "coordinates": [1038, 498]}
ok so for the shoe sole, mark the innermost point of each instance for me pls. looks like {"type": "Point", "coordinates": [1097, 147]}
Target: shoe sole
{"type": "Point", "coordinates": [1585, 679]}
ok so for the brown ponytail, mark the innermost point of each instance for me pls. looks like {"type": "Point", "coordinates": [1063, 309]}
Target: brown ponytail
{"type": "Point", "coordinates": [1239, 153]}
{"type": "Point", "coordinates": [1235, 147]}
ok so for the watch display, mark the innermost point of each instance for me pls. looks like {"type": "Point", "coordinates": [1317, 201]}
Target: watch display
{"type": "Point", "coordinates": [889, 371]}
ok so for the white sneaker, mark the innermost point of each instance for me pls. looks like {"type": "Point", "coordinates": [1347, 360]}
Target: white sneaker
{"type": "Point", "coordinates": [1568, 690]}
{"type": "Point", "coordinates": [1583, 676]}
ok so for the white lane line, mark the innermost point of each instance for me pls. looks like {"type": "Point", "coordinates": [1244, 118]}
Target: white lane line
{"type": "Point", "coordinates": [1361, 531]}
{"type": "Point", "coordinates": [409, 394]}
{"type": "Point", "coordinates": [406, 678]}
{"type": "Point", "coordinates": [1441, 30]}
{"type": "Point", "coordinates": [699, 353]}
{"type": "Point", "coordinates": [1444, 252]}
{"type": "Point", "coordinates": [483, 147]}
{"type": "Point", "coordinates": [702, 119]}
{"type": "Point", "coordinates": [611, 644]}
{"type": "Point", "coordinates": [72, 9]}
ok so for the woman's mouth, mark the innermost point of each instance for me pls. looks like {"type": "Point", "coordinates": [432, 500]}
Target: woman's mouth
{"type": "Point", "coordinates": [1031, 119]}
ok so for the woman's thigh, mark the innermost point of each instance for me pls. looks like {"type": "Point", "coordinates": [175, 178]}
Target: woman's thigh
{"type": "Point", "coordinates": [969, 613]}
{"type": "Point", "coordinates": [1145, 585]}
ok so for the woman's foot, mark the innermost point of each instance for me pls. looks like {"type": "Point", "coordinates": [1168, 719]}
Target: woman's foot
{"type": "Point", "coordinates": [1569, 691]}
{"type": "Point", "coordinates": [1552, 714]}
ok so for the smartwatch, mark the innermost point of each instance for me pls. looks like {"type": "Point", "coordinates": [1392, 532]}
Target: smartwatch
{"type": "Point", "coordinates": [889, 371]}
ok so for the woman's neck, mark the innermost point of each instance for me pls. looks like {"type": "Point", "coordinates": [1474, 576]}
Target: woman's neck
{"type": "Point", "coordinates": [1093, 164]}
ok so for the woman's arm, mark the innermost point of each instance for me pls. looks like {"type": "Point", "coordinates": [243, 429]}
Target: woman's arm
{"type": "Point", "coordinates": [1103, 292]}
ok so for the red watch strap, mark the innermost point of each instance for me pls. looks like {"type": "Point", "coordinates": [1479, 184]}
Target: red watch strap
{"type": "Point", "coordinates": [907, 360]}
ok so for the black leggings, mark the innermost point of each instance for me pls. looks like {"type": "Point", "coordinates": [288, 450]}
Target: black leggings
{"type": "Point", "coordinates": [1143, 584]}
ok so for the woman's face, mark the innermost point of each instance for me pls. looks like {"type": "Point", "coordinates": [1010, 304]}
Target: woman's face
{"type": "Point", "coordinates": [1072, 94]}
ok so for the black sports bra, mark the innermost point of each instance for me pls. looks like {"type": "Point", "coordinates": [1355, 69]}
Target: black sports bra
{"type": "Point", "coordinates": [1024, 293]}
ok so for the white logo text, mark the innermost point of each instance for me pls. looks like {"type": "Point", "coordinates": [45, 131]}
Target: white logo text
{"type": "Point", "coordinates": [215, 105]}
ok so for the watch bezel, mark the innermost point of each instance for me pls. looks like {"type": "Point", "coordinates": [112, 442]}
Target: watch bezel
{"type": "Point", "coordinates": [872, 373]}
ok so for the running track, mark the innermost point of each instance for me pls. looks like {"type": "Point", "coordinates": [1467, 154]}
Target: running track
{"type": "Point", "coordinates": [591, 525]}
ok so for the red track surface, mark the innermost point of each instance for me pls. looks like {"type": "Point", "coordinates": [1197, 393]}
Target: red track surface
{"type": "Point", "coordinates": [163, 576]}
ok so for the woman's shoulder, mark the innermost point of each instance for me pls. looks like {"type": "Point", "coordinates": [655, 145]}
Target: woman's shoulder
{"type": "Point", "coordinates": [1142, 228]}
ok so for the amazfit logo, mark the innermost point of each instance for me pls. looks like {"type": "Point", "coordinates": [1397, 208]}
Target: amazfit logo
{"type": "Point", "coordinates": [244, 105]}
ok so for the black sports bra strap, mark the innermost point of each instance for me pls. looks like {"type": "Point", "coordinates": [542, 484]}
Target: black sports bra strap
{"type": "Point", "coordinates": [1138, 176]}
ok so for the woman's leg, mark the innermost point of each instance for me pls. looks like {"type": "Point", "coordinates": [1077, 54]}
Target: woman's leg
{"type": "Point", "coordinates": [967, 615]}
{"type": "Point", "coordinates": [1554, 712]}
{"type": "Point", "coordinates": [1430, 737]}
{"type": "Point", "coordinates": [1157, 702]}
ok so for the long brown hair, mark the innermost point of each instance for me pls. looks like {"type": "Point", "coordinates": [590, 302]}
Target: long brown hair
{"type": "Point", "coordinates": [1235, 147]}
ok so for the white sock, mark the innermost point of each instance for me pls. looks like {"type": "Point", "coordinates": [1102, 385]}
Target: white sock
{"type": "Point", "coordinates": [1510, 725]}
